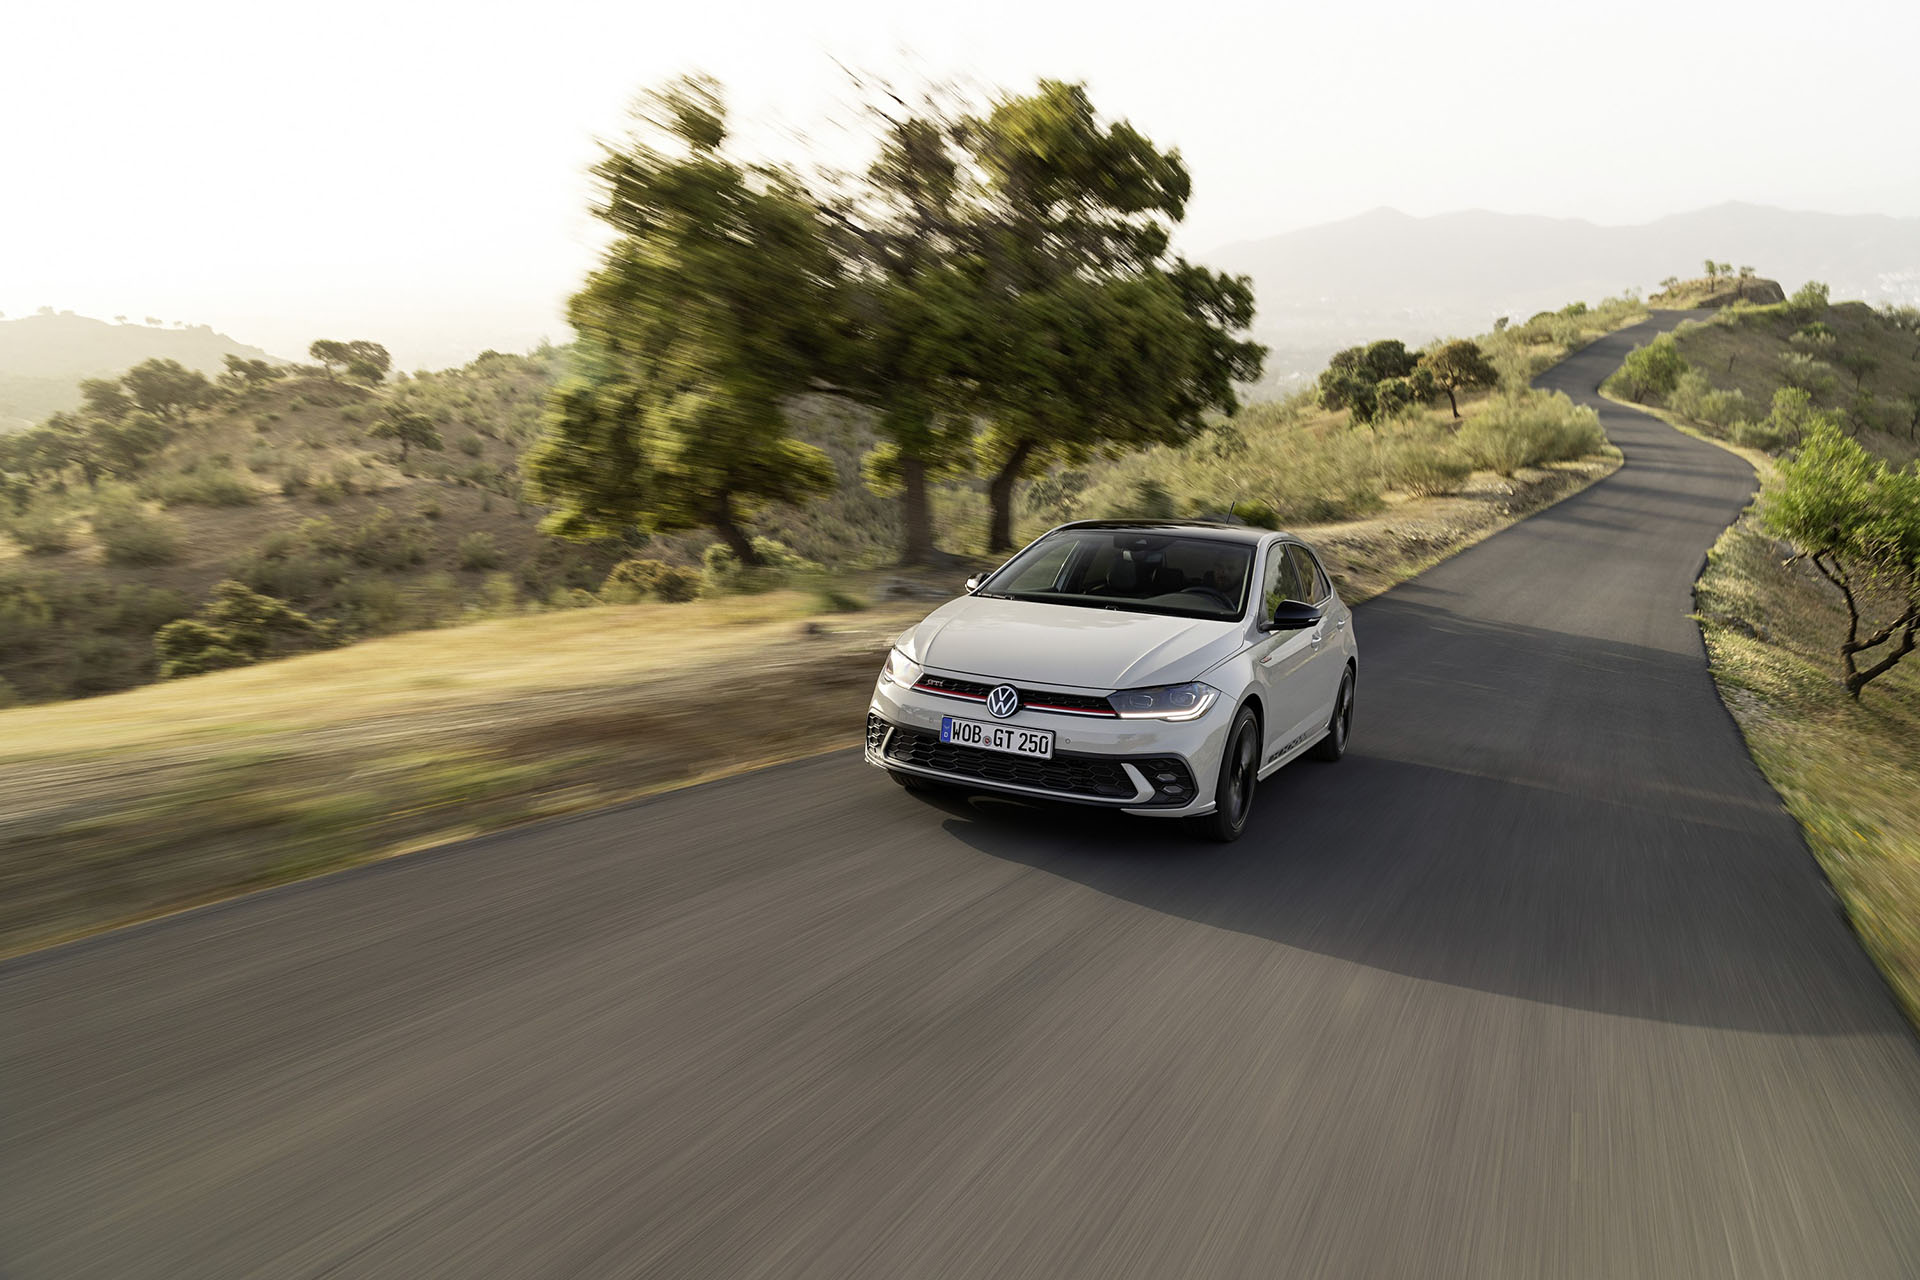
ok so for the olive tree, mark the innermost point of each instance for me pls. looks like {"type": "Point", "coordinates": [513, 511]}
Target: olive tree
{"type": "Point", "coordinates": [1857, 521]}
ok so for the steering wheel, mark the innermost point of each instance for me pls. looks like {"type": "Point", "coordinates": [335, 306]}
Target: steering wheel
{"type": "Point", "coordinates": [1209, 591]}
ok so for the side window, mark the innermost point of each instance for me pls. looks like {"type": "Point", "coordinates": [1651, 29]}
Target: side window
{"type": "Point", "coordinates": [1313, 583]}
{"type": "Point", "coordinates": [1282, 580]}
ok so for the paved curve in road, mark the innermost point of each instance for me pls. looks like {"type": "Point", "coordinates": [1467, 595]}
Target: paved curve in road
{"type": "Point", "coordinates": [1541, 981]}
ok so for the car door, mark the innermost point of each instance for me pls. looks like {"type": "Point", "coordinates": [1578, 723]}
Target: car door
{"type": "Point", "coordinates": [1326, 661]}
{"type": "Point", "coordinates": [1282, 658]}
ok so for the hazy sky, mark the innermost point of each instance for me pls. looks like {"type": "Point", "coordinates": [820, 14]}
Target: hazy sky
{"type": "Point", "coordinates": [414, 173]}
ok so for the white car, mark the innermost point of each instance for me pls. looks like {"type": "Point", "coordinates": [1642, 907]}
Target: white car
{"type": "Point", "coordinates": [1157, 667]}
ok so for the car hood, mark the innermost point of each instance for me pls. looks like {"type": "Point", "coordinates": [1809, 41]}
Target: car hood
{"type": "Point", "coordinates": [1056, 644]}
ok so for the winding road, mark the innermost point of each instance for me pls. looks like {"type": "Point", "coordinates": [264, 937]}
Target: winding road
{"type": "Point", "coordinates": [1540, 982]}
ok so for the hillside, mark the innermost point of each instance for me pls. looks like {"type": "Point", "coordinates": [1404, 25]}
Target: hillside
{"type": "Point", "coordinates": [43, 358]}
{"type": "Point", "coordinates": [1323, 287]}
{"type": "Point", "coordinates": [1853, 362]}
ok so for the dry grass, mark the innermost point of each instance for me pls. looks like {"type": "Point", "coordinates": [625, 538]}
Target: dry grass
{"type": "Point", "coordinates": [1849, 772]}
{"type": "Point", "coordinates": [145, 801]}
{"type": "Point", "coordinates": [137, 803]}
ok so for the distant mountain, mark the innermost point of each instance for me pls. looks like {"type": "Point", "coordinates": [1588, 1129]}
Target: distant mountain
{"type": "Point", "coordinates": [1387, 273]}
{"type": "Point", "coordinates": [44, 357]}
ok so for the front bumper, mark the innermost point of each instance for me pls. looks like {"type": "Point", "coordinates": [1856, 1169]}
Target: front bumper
{"type": "Point", "coordinates": [1150, 767]}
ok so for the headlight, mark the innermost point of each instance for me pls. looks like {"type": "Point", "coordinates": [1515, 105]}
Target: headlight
{"type": "Point", "coordinates": [899, 670]}
{"type": "Point", "coordinates": [1166, 702]}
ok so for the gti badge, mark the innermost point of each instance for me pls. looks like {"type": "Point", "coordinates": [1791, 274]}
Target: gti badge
{"type": "Point", "coordinates": [1003, 701]}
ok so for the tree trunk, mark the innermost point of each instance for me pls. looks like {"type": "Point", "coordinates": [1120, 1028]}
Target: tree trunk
{"type": "Point", "coordinates": [733, 535]}
{"type": "Point", "coordinates": [1451, 402]}
{"type": "Point", "coordinates": [1000, 497]}
{"type": "Point", "coordinates": [918, 511]}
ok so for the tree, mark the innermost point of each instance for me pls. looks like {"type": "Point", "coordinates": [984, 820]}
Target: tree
{"type": "Point", "coordinates": [1088, 336]}
{"type": "Point", "coordinates": [105, 398]}
{"type": "Point", "coordinates": [236, 628]}
{"type": "Point", "coordinates": [1857, 521]}
{"type": "Point", "coordinates": [153, 322]}
{"type": "Point", "coordinates": [119, 319]}
{"type": "Point", "coordinates": [1371, 382]}
{"type": "Point", "coordinates": [1905, 320]}
{"type": "Point", "coordinates": [909, 313]}
{"type": "Point", "coordinates": [1654, 369]}
{"type": "Point", "coordinates": [243, 374]}
{"type": "Point", "coordinates": [328, 354]}
{"type": "Point", "coordinates": [1858, 363]}
{"type": "Point", "coordinates": [367, 361]}
{"type": "Point", "coordinates": [166, 388]}
{"type": "Point", "coordinates": [708, 310]}
{"type": "Point", "coordinates": [1713, 271]}
{"type": "Point", "coordinates": [411, 430]}
{"type": "Point", "coordinates": [1458, 366]}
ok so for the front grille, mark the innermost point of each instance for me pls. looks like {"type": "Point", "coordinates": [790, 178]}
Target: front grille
{"type": "Point", "coordinates": [876, 732]}
{"type": "Point", "coordinates": [1096, 777]}
{"type": "Point", "coordinates": [1038, 699]}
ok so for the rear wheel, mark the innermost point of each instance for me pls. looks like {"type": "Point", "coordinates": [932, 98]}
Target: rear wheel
{"type": "Point", "coordinates": [1239, 774]}
{"type": "Point", "coordinates": [1330, 748]}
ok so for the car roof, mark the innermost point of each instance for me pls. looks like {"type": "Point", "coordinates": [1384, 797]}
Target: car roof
{"type": "Point", "coordinates": [1198, 528]}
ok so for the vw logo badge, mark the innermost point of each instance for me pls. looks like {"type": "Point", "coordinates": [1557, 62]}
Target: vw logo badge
{"type": "Point", "coordinates": [1003, 701]}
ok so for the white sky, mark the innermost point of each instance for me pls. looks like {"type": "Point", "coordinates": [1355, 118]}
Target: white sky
{"type": "Point", "coordinates": [414, 172]}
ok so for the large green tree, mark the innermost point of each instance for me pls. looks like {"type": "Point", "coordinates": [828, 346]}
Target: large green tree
{"type": "Point", "coordinates": [910, 311]}
{"type": "Point", "coordinates": [708, 311]}
{"type": "Point", "coordinates": [1097, 339]}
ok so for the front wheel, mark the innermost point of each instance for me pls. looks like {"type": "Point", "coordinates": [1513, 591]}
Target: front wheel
{"type": "Point", "coordinates": [1239, 774]}
{"type": "Point", "coordinates": [1330, 748]}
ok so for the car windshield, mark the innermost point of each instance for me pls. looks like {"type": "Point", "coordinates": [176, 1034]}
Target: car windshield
{"type": "Point", "coordinates": [1136, 570]}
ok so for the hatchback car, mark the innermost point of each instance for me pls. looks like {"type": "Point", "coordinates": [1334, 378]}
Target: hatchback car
{"type": "Point", "coordinates": [1158, 667]}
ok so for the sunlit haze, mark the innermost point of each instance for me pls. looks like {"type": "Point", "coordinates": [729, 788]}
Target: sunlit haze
{"type": "Point", "coordinates": [414, 173]}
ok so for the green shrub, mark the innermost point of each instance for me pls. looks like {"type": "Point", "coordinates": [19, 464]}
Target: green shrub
{"type": "Point", "coordinates": [1652, 370]}
{"type": "Point", "coordinates": [385, 542]}
{"type": "Point", "coordinates": [1809, 300]}
{"type": "Point", "coordinates": [1525, 430]}
{"type": "Point", "coordinates": [724, 570]}
{"type": "Point", "coordinates": [210, 486]}
{"type": "Point", "coordinates": [42, 529]}
{"type": "Point", "coordinates": [471, 446]}
{"type": "Point", "coordinates": [327, 491]}
{"type": "Point", "coordinates": [1261, 515]}
{"type": "Point", "coordinates": [1695, 399]}
{"type": "Point", "coordinates": [1426, 468]}
{"type": "Point", "coordinates": [479, 551]}
{"type": "Point", "coordinates": [639, 579]}
{"type": "Point", "coordinates": [1149, 499]}
{"type": "Point", "coordinates": [134, 536]}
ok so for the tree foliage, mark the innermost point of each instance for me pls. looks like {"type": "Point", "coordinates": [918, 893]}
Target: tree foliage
{"type": "Point", "coordinates": [410, 430]}
{"type": "Point", "coordinates": [1375, 381]}
{"type": "Point", "coordinates": [1655, 369]}
{"type": "Point", "coordinates": [1857, 520]}
{"type": "Point", "coordinates": [236, 628]}
{"type": "Point", "coordinates": [708, 311]}
{"type": "Point", "coordinates": [1459, 365]}
{"type": "Point", "coordinates": [166, 388]}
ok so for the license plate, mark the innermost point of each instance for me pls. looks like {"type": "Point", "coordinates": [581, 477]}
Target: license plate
{"type": "Point", "coordinates": [1011, 739]}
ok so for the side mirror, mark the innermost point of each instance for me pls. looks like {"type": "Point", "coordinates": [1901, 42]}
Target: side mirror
{"type": "Point", "coordinates": [973, 584]}
{"type": "Point", "coordinates": [1292, 615]}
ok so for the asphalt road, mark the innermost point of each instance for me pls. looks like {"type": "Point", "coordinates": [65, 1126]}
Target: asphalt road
{"type": "Point", "coordinates": [1539, 982]}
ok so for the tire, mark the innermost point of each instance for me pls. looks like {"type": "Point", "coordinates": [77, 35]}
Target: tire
{"type": "Point", "coordinates": [1239, 775]}
{"type": "Point", "coordinates": [1330, 748]}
